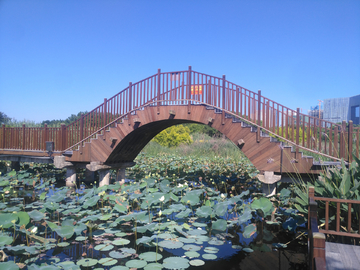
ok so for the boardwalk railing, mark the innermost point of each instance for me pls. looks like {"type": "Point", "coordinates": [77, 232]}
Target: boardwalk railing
{"type": "Point", "coordinates": [190, 87]}
{"type": "Point", "coordinates": [317, 236]}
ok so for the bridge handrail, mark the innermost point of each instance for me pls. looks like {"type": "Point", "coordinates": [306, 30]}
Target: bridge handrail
{"type": "Point", "coordinates": [185, 87]}
{"type": "Point", "coordinates": [154, 102]}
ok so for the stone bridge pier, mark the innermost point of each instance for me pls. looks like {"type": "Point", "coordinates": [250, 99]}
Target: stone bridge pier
{"type": "Point", "coordinates": [91, 168]}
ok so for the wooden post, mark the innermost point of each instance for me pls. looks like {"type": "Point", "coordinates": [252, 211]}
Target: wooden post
{"type": "Point", "coordinates": [223, 100]}
{"type": "Point", "coordinates": [158, 90]}
{"type": "Point", "coordinates": [297, 131]}
{"type": "Point", "coordinates": [336, 143]}
{"type": "Point", "coordinates": [130, 96]}
{"type": "Point", "coordinates": [350, 140]}
{"type": "Point", "coordinates": [105, 113]}
{"type": "Point", "coordinates": [63, 136]}
{"type": "Point", "coordinates": [209, 93]}
{"type": "Point", "coordinates": [258, 116]}
{"type": "Point", "coordinates": [3, 137]}
{"type": "Point", "coordinates": [23, 137]}
{"type": "Point", "coordinates": [342, 140]}
{"type": "Point", "coordinates": [188, 94]}
{"type": "Point", "coordinates": [81, 132]}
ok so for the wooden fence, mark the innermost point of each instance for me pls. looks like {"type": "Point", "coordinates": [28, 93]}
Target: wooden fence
{"type": "Point", "coordinates": [189, 87]}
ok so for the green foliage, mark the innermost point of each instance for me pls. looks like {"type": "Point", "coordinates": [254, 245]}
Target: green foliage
{"type": "Point", "coordinates": [67, 121]}
{"type": "Point", "coordinates": [174, 136]}
{"type": "Point", "coordinates": [3, 118]}
{"type": "Point", "coordinates": [340, 183]}
{"type": "Point", "coordinates": [204, 129]}
{"type": "Point", "coordinates": [290, 131]}
{"type": "Point", "coordinates": [12, 122]}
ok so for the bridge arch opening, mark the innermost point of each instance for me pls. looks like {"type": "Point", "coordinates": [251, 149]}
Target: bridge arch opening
{"type": "Point", "coordinates": [206, 141]}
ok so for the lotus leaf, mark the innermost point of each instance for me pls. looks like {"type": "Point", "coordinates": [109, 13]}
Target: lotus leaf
{"type": "Point", "coordinates": [204, 211]}
{"type": "Point", "coordinates": [216, 242]}
{"type": "Point", "coordinates": [197, 232]}
{"type": "Point", "coordinates": [108, 261]}
{"type": "Point", "coordinates": [211, 250]}
{"type": "Point", "coordinates": [106, 216]}
{"type": "Point", "coordinates": [208, 256]}
{"type": "Point", "coordinates": [183, 214]}
{"type": "Point", "coordinates": [79, 228]}
{"type": "Point", "coordinates": [144, 240]}
{"type": "Point", "coordinates": [199, 224]}
{"type": "Point", "coordinates": [191, 247]}
{"type": "Point", "coordinates": [264, 205]}
{"type": "Point", "coordinates": [178, 207]}
{"type": "Point", "coordinates": [87, 262]}
{"type": "Point", "coordinates": [91, 202]}
{"type": "Point", "coordinates": [176, 263]}
{"type": "Point", "coordinates": [248, 250]}
{"type": "Point", "coordinates": [249, 230]}
{"type": "Point", "coordinates": [6, 220]}
{"type": "Point", "coordinates": [121, 242]}
{"type": "Point", "coordinates": [118, 255]}
{"type": "Point", "coordinates": [36, 215]}
{"type": "Point", "coordinates": [52, 225]}
{"type": "Point", "coordinates": [165, 235]}
{"type": "Point", "coordinates": [80, 238]}
{"type": "Point", "coordinates": [220, 209]}
{"type": "Point", "coordinates": [171, 244]}
{"type": "Point", "coordinates": [136, 264]}
{"type": "Point", "coordinates": [63, 244]}
{"type": "Point", "coordinates": [120, 234]}
{"type": "Point", "coordinates": [65, 231]}
{"type": "Point", "coordinates": [121, 208]}
{"type": "Point", "coordinates": [219, 225]}
{"type": "Point", "coordinates": [104, 247]}
{"type": "Point", "coordinates": [153, 266]}
{"type": "Point", "coordinates": [192, 254]}
{"type": "Point", "coordinates": [245, 216]}
{"type": "Point", "coordinates": [150, 256]}
{"type": "Point", "coordinates": [119, 267]}
{"type": "Point", "coordinates": [5, 240]}
{"type": "Point", "coordinates": [236, 247]}
{"type": "Point", "coordinates": [51, 206]}
{"type": "Point", "coordinates": [186, 240]}
{"type": "Point", "coordinates": [4, 183]}
{"type": "Point", "coordinates": [197, 262]}
{"type": "Point", "coordinates": [191, 198]}
{"type": "Point", "coordinates": [168, 211]}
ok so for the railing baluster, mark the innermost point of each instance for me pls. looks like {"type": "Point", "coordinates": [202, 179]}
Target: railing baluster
{"type": "Point", "coordinates": [350, 141]}
{"type": "Point", "coordinates": [327, 215]}
{"type": "Point", "coordinates": [337, 216]}
{"type": "Point", "coordinates": [349, 218]}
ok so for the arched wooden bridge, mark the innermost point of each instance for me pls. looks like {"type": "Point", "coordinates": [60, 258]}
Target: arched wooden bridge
{"type": "Point", "coordinates": [271, 135]}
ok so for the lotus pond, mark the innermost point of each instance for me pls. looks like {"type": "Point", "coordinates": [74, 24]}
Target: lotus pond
{"type": "Point", "coordinates": [174, 213]}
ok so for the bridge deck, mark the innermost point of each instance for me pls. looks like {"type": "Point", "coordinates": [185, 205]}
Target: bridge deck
{"type": "Point", "coordinates": [342, 256]}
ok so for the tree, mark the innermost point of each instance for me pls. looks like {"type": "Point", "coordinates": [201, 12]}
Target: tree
{"type": "Point", "coordinates": [3, 118]}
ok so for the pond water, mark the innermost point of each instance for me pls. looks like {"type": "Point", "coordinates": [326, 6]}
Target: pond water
{"type": "Point", "coordinates": [151, 224]}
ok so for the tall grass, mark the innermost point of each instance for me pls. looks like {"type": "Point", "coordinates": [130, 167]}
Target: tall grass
{"type": "Point", "coordinates": [203, 145]}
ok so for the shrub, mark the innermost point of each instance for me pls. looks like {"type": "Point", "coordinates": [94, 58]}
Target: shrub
{"type": "Point", "coordinates": [173, 136]}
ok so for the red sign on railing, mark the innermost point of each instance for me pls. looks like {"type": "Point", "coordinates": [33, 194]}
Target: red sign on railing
{"type": "Point", "coordinates": [196, 89]}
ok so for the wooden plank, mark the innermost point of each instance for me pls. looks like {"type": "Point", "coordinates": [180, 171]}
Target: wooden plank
{"type": "Point", "coordinates": [341, 256]}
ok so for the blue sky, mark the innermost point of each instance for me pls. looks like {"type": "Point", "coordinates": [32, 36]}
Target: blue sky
{"type": "Point", "coordinates": [60, 57]}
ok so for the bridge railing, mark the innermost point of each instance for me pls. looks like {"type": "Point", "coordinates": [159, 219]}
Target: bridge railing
{"type": "Point", "coordinates": [29, 138]}
{"type": "Point", "coordinates": [191, 87]}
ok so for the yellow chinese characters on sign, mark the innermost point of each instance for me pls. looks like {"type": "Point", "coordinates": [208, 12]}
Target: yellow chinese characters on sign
{"type": "Point", "coordinates": [196, 89]}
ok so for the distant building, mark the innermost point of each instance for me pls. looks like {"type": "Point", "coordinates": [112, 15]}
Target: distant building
{"type": "Point", "coordinates": [315, 112]}
{"type": "Point", "coordinates": [342, 109]}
